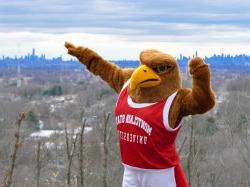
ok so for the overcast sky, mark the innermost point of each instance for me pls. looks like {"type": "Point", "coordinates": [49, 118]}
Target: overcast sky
{"type": "Point", "coordinates": [121, 29]}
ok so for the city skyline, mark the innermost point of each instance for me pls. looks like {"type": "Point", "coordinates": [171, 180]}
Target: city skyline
{"type": "Point", "coordinates": [33, 61]}
{"type": "Point", "coordinates": [33, 52]}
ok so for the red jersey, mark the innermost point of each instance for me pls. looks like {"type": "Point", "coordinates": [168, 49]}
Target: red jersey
{"type": "Point", "coordinates": [146, 139]}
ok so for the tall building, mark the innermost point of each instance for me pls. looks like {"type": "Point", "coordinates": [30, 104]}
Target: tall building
{"type": "Point", "coordinates": [181, 57]}
{"type": "Point", "coordinates": [33, 52]}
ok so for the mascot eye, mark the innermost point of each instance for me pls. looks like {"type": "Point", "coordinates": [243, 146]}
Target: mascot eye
{"type": "Point", "coordinates": [161, 68]}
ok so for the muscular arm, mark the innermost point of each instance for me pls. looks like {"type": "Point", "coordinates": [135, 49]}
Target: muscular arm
{"type": "Point", "coordinates": [201, 97]}
{"type": "Point", "coordinates": [109, 72]}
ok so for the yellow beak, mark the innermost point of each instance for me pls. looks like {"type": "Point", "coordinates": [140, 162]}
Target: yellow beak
{"type": "Point", "coordinates": [144, 77]}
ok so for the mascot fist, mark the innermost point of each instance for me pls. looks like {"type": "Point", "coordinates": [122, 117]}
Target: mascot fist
{"type": "Point", "coordinates": [196, 65]}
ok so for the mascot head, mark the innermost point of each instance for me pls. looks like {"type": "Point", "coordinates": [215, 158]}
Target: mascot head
{"type": "Point", "coordinates": [157, 77]}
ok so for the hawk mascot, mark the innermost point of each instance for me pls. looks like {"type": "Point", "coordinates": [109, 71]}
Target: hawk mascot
{"type": "Point", "coordinates": [149, 112]}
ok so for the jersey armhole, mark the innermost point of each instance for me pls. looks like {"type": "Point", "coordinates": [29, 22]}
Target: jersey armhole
{"type": "Point", "coordinates": [125, 85]}
{"type": "Point", "coordinates": [166, 110]}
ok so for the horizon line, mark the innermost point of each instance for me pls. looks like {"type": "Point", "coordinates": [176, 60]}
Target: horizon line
{"type": "Point", "coordinates": [180, 56]}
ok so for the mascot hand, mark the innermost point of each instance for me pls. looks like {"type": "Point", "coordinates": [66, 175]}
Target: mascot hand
{"type": "Point", "coordinates": [78, 52]}
{"type": "Point", "coordinates": [196, 65]}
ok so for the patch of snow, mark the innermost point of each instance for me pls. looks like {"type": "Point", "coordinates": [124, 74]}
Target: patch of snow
{"type": "Point", "coordinates": [60, 124]}
{"type": "Point", "coordinates": [49, 145]}
{"type": "Point", "coordinates": [49, 133]}
{"type": "Point", "coordinates": [60, 99]}
{"type": "Point", "coordinates": [52, 108]}
{"type": "Point", "coordinates": [87, 129]}
{"type": "Point", "coordinates": [220, 99]}
{"type": "Point", "coordinates": [43, 133]}
{"type": "Point", "coordinates": [90, 119]}
{"type": "Point", "coordinates": [41, 124]}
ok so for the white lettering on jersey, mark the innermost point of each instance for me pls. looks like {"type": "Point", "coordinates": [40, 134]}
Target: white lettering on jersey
{"type": "Point", "coordinates": [134, 138]}
{"type": "Point", "coordinates": [134, 120]}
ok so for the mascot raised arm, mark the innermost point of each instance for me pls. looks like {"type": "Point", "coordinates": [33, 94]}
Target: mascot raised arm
{"type": "Point", "coordinates": [149, 112]}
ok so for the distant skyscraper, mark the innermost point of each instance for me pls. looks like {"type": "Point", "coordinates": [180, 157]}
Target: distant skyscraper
{"type": "Point", "coordinates": [181, 57]}
{"type": "Point", "coordinates": [33, 52]}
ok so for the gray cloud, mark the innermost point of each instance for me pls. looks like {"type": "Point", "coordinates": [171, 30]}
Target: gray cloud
{"type": "Point", "coordinates": [171, 18]}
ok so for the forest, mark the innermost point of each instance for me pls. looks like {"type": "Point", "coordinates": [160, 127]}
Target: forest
{"type": "Point", "coordinates": [58, 129]}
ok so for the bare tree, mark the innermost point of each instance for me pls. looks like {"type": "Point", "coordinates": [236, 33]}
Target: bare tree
{"type": "Point", "coordinates": [8, 180]}
{"type": "Point", "coordinates": [194, 155]}
{"type": "Point", "coordinates": [182, 145]}
{"type": "Point", "coordinates": [81, 154]}
{"type": "Point", "coordinates": [38, 163]}
{"type": "Point", "coordinates": [70, 150]}
{"type": "Point", "coordinates": [105, 150]}
{"type": "Point", "coordinates": [190, 155]}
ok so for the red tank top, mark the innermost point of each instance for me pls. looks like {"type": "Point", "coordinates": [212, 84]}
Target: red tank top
{"type": "Point", "coordinates": [146, 140]}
